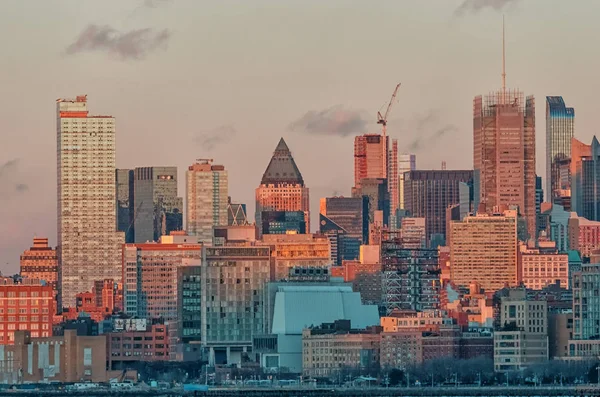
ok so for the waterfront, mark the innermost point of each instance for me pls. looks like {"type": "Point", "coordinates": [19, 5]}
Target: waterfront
{"type": "Point", "coordinates": [559, 391]}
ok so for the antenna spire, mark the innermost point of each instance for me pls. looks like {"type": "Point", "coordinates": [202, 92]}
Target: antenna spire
{"type": "Point", "coordinates": [503, 65]}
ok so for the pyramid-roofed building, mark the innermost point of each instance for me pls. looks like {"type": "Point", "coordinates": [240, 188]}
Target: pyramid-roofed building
{"type": "Point", "coordinates": [282, 168]}
{"type": "Point", "coordinates": [282, 187]}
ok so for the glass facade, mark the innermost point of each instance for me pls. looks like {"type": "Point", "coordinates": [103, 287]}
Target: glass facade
{"type": "Point", "coordinates": [283, 222]}
{"type": "Point", "coordinates": [560, 126]}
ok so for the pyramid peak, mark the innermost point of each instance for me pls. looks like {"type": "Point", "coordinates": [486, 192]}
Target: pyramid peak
{"type": "Point", "coordinates": [282, 168]}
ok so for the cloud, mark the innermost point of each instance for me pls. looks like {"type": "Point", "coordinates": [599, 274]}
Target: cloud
{"type": "Point", "coordinates": [474, 6]}
{"type": "Point", "coordinates": [427, 130]}
{"type": "Point", "coordinates": [335, 120]}
{"type": "Point", "coordinates": [217, 136]}
{"type": "Point", "coordinates": [155, 3]}
{"type": "Point", "coordinates": [134, 44]}
{"type": "Point", "coordinates": [21, 187]}
{"type": "Point", "coordinates": [8, 165]}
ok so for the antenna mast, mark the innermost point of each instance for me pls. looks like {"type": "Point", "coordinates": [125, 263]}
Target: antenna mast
{"type": "Point", "coordinates": [503, 65]}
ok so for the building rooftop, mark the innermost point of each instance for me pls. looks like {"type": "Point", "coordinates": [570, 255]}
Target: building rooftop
{"type": "Point", "coordinates": [282, 168]}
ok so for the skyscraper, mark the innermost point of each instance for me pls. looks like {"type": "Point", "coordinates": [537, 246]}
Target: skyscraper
{"type": "Point", "coordinates": [125, 203]}
{"type": "Point", "coordinates": [88, 243]}
{"type": "Point", "coordinates": [427, 194]}
{"type": "Point", "coordinates": [207, 192]}
{"type": "Point", "coordinates": [406, 162]}
{"type": "Point", "coordinates": [350, 213]}
{"type": "Point", "coordinates": [504, 150]}
{"type": "Point", "coordinates": [560, 121]}
{"type": "Point", "coordinates": [585, 179]}
{"type": "Point", "coordinates": [282, 186]}
{"type": "Point", "coordinates": [374, 159]}
{"type": "Point", "coordinates": [157, 209]}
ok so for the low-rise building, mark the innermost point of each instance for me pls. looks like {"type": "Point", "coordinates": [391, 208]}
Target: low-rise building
{"type": "Point", "coordinates": [149, 345]}
{"type": "Point", "coordinates": [330, 348]}
{"type": "Point", "coordinates": [67, 358]}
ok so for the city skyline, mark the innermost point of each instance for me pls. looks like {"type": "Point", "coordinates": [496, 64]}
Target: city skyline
{"type": "Point", "coordinates": [29, 162]}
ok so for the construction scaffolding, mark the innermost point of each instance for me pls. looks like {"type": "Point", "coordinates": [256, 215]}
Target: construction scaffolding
{"type": "Point", "coordinates": [410, 275]}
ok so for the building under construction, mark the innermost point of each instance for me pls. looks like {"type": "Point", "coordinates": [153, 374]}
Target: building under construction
{"type": "Point", "coordinates": [410, 275]}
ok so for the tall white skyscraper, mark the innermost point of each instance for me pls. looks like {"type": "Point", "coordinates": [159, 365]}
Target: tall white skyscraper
{"type": "Point", "coordinates": [206, 190]}
{"type": "Point", "coordinates": [406, 162]}
{"type": "Point", "coordinates": [89, 247]}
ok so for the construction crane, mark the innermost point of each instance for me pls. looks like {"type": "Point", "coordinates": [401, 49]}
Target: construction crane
{"type": "Point", "coordinates": [383, 121]}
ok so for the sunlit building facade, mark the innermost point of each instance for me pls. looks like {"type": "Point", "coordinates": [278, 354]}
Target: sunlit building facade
{"type": "Point", "coordinates": [40, 262]}
{"type": "Point", "coordinates": [86, 190]}
{"type": "Point", "coordinates": [560, 127]}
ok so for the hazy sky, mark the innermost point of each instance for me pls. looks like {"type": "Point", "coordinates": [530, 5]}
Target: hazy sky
{"type": "Point", "coordinates": [191, 79]}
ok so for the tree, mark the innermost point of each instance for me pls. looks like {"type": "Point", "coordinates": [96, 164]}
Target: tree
{"type": "Point", "coordinates": [396, 377]}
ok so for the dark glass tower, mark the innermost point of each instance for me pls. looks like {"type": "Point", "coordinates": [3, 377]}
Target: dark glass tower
{"type": "Point", "coordinates": [560, 126]}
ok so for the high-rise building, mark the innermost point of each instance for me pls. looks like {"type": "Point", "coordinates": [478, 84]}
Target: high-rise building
{"type": "Point", "coordinates": [585, 179]}
{"type": "Point", "coordinates": [86, 192]}
{"type": "Point", "coordinates": [125, 203]}
{"type": "Point", "coordinates": [586, 312]}
{"type": "Point", "coordinates": [504, 152]}
{"type": "Point", "coordinates": [283, 222]}
{"type": "Point", "coordinates": [374, 159]}
{"type": "Point", "coordinates": [207, 192]}
{"type": "Point", "coordinates": [560, 127]}
{"type": "Point", "coordinates": [412, 231]}
{"type": "Point", "coordinates": [232, 304]}
{"type": "Point", "coordinates": [584, 235]}
{"type": "Point", "coordinates": [483, 249]}
{"type": "Point", "coordinates": [406, 162]}
{"type": "Point", "coordinates": [282, 186]}
{"type": "Point", "coordinates": [539, 199]}
{"type": "Point", "coordinates": [150, 276]}
{"type": "Point", "coordinates": [157, 209]}
{"type": "Point", "coordinates": [40, 262]}
{"type": "Point", "coordinates": [350, 213]}
{"type": "Point", "coordinates": [427, 194]}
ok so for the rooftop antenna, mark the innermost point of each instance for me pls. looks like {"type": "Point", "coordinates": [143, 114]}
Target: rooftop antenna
{"type": "Point", "coordinates": [503, 65]}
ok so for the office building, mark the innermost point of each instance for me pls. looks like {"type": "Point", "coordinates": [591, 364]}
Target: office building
{"type": "Point", "coordinates": [236, 214]}
{"type": "Point", "coordinates": [189, 313]}
{"type": "Point", "coordinates": [560, 127]}
{"type": "Point", "coordinates": [522, 339]}
{"type": "Point", "coordinates": [483, 249]}
{"type": "Point", "coordinates": [283, 222]}
{"type": "Point", "coordinates": [207, 192]}
{"type": "Point", "coordinates": [150, 277]}
{"type": "Point", "coordinates": [375, 159]}
{"type": "Point", "coordinates": [410, 276]}
{"type": "Point", "coordinates": [504, 152]}
{"type": "Point", "coordinates": [282, 186]}
{"type": "Point", "coordinates": [412, 232]}
{"type": "Point", "coordinates": [296, 251]}
{"type": "Point", "coordinates": [427, 194]}
{"type": "Point", "coordinates": [157, 209]}
{"type": "Point", "coordinates": [40, 262]}
{"type": "Point", "coordinates": [406, 162]}
{"type": "Point", "coordinates": [376, 192]}
{"type": "Point", "coordinates": [584, 235]}
{"type": "Point", "coordinates": [585, 179]}
{"type": "Point", "coordinates": [330, 348]}
{"type": "Point", "coordinates": [350, 213]}
{"type": "Point", "coordinates": [25, 307]}
{"type": "Point", "coordinates": [586, 313]}
{"type": "Point", "coordinates": [543, 265]}
{"type": "Point", "coordinates": [342, 246]}
{"type": "Point", "coordinates": [86, 190]}
{"type": "Point", "coordinates": [125, 203]}
{"type": "Point", "coordinates": [232, 307]}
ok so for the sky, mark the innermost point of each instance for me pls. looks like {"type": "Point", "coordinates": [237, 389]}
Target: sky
{"type": "Point", "coordinates": [190, 79]}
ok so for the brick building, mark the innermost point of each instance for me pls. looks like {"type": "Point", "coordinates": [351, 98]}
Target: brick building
{"type": "Point", "coordinates": [40, 262]}
{"type": "Point", "coordinates": [149, 345]}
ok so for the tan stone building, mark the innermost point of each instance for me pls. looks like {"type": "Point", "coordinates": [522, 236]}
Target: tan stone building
{"type": "Point", "coordinates": [331, 348]}
{"type": "Point", "coordinates": [539, 267]}
{"type": "Point", "coordinates": [522, 339]}
{"type": "Point", "coordinates": [483, 249]}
